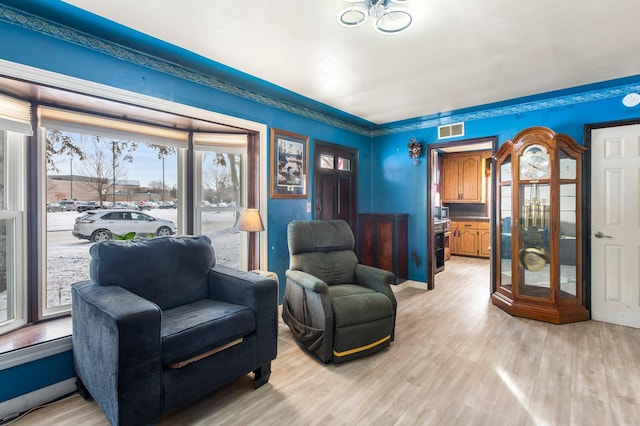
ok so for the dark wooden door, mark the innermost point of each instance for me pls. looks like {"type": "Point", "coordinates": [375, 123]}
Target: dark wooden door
{"type": "Point", "coordinates": [335, 183]}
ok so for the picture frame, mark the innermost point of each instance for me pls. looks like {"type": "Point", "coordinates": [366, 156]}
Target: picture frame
{"type": "Point", "coordinates": [289, 174]}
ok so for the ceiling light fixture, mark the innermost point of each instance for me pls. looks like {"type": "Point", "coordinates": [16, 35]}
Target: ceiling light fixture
{"type": "Point", "coordinates": [386, 16]}
{"type": "Point", "coordinates": [631, 100]}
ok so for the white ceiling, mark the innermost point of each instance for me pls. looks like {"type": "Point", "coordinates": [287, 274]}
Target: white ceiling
{"type": "Point", "coordinates": [459, 53]}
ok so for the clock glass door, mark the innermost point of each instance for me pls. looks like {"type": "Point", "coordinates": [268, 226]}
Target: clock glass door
{"type": "Point", "coordinates": [569, 247]}
{"type": "Point", "coordinates": [505, 209]}
{"type": "Point", "coordinates": [534, 247]}
{"type": "Point", "coordinates": [568, 241]}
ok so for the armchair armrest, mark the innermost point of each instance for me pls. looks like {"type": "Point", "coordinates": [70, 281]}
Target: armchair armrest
{"type": "Point", "coordinates": [379, 280]}
{"type": "Point", "coordinates": [374, 278]}
{"type": "Point", "coordinates": [255, 291]}
{"type": "Point", "coordinates": [116, 345]}
{"type": "Point", "coordinates": [307, 281]}
{"type": "Point", "coordinates": [307, 308]}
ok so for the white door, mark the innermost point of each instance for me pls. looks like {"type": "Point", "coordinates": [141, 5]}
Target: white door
{"type": "Point", "coordinates": [615, 225]}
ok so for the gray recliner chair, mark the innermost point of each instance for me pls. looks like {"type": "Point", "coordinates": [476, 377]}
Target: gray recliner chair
{"type": "Point", "coordinates": [335, 307]}
{"type": "Point", "coordinates": [159, 325]}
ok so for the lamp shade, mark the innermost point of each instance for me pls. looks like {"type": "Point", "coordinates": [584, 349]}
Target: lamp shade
{"type": "Point", "coordinates": [251, 221]}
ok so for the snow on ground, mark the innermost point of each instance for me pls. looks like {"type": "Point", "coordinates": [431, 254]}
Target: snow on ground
{"type": "Point", "coordinates": [68, 257]}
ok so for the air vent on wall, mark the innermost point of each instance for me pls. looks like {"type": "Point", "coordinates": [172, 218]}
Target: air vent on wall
{"type": "Point", "coordinates": [450, 130]}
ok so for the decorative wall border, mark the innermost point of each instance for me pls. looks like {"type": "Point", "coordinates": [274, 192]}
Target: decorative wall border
{"type": "Point", "coordinates": [79, 38]}
{"type": "Point", "coordinates": [554, 102]}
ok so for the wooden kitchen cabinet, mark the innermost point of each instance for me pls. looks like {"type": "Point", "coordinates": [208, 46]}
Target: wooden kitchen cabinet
{"type": "Point", "coordinates": [470, 238]}
{"type": "Point", "coordinates": [447, 245]}
{"type": "Point", "coordinates": [454, 242]}
{"type": "Point", "coordinates": [383, 242]}
{"type": "Point", "coordinates": [463, 177]}
{"type": "Point", "coordinates": [484, 239]}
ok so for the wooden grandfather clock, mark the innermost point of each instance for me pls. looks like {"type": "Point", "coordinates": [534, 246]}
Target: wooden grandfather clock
{"type": "Point", "coordinates": [539, 227]}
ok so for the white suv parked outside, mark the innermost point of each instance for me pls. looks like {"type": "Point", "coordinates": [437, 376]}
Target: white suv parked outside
{"type": "Point", "coordinates": [100, 225]}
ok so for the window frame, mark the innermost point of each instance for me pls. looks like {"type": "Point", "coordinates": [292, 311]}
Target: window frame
{"type": "Point", "coordinates": [23, 79]}
{"type": "Point", "coordinates": [205, 142]}
{"type": "Point", "coordinates": [14, 209]}
{"type": "Point", "coordinates": [230, 144]}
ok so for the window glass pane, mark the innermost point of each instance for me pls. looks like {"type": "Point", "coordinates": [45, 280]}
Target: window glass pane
{"type": "Point", "coordinates": [505, 237]}
{"type": "Point", "coordinates": [6, 281]}
{"type": "Point", "coordinates": [344, 164]}
{"type": "Point", "coordinates": [326, 161]}
{"type": "Point", "coordinates": [222, 181]}
{"type": "Point", "coordinates": [2, 170]}
{"type": "Point", "coordinates": [4, 305]}
{"type": "Point", "coordinates": [95, 172]}
{"type": "Point", "coordinates": [567, 166]}
{"type": "Point", "coordinates": [12, 232]}
{"type": "Point", "coordinates": [505, 170]}
{"type": "Point", "coordinates": [12, 236]}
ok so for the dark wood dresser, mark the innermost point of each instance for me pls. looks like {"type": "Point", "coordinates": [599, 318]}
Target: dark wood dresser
{"type": "Point", "coordinates": [383, 242]}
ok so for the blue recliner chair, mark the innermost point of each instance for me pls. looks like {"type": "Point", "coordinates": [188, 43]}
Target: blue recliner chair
{"type": "Point", "coordinates": [160, 325]}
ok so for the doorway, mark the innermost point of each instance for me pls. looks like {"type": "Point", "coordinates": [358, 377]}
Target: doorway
{"type": "Point", "coordinates": [335, 183]}
{"type": "Point", "coordinates": [434, 183]}
{"type": "Point", "coordinates": [614, 161]}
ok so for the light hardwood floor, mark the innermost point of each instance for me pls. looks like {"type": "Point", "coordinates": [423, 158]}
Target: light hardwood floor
{"type": "Point", "coordinates": [456, 360]}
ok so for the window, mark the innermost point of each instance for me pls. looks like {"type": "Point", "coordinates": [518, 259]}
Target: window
{"type": "Point", "coordinates": [100, 163]}
{"type": "Point", "coordinates": [29, 291]}
{"type": "Point", "coordinates": [344, 164]}
{"type": "Point", "coordinates": [326, 161]}
{"type": "Point", "coordinates": [14, 126]}
{"type": "Point", "coordinates": [221, 176]}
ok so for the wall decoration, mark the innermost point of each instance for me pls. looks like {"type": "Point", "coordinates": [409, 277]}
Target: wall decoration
{"type": "Point", "coordinates": [289, 164]}
{"type": "Point", "coordinates": [415, 148]}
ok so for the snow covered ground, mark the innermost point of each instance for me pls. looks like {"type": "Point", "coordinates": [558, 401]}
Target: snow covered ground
{"type": "Point", "coordinates": [68, 257]}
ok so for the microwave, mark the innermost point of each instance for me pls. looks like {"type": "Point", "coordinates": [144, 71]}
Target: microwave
{"type": "Point", "coordinates": [441, 213]}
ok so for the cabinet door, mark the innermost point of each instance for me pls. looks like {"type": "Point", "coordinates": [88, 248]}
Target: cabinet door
{"type": "Point", "coordinates": [454, 241]}
{"type": "Point", "coordinates": [368, 241]}
{"type": "Point", "coordinates": [447, 245]}
{"type": "Point", "coordinates": [469, 242]}
{"type": "Point", "coordinates": [484, 243]}
{"type": "Point", "coordinates": [451, 180]}
{"type": "Point", "coordinates": [470, 179]}
{"type": "Point", "coordinates": [385, 245]}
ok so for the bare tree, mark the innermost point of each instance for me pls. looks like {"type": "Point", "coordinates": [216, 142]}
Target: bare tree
{"type": "Point", "coordinates": [60, 143]}
{"type": "Point", "coordinates": [102, 169]}
{"type": "Point", "coordinates": [222, 174]}
{"type": "Point", "coordinates": [156, 185]}
{"type": "Point", "coordinates": [163, 152]}
{"type": "Point", "coordinates": [216, 176]}
{"type": "Point", "coordinates": [234, 167]}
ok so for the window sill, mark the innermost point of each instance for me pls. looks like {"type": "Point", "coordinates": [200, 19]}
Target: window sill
{"type": "Point", "coordinates": [30, 338]}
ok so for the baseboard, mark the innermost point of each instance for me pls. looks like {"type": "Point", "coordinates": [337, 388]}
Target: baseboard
{"type": "Point", "coordinates": [38, 397]}
{"type": "Point", "coordinates": [409, 283]}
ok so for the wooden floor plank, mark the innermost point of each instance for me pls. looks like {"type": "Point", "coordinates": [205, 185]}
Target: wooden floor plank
{"type": "Point", "coordinates": [456, 360]}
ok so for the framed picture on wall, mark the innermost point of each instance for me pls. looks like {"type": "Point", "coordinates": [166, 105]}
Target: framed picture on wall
{"type": "Point", "coordinates": [289, 164]}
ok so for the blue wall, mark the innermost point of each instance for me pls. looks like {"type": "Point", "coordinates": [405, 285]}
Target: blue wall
{"type": "Point", "coordinates": [155, 77]}
{"type": "Point", "coordinates": [399, 183]}
{"type": "Point", "coordinates": [60, 49]}
{"type": "Point", "coordinates": [31, 376]}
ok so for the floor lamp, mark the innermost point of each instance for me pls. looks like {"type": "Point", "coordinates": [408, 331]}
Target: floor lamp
{"type": "Point", "coordinates": [251, 222]}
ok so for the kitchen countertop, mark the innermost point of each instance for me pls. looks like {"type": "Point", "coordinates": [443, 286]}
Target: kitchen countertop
{"type": "Point", "coordinates": [462, 218]}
